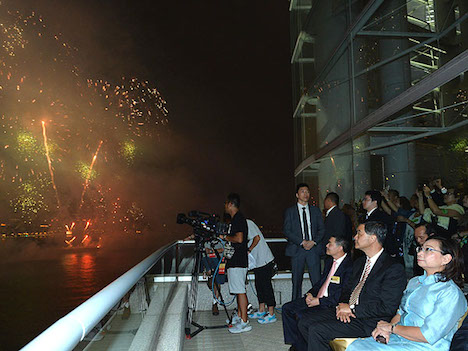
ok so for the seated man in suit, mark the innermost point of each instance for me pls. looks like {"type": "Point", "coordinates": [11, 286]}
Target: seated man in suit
{"type": "Point", "coordinates": [324, 294]}
{"type": "Point", "coordinates": [373, 293]}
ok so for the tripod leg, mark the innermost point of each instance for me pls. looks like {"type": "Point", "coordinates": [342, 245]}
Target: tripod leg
{"type": "Point", "coordinates": [223, 303]}
{"type": "Point", "coordinates": [193, 292]}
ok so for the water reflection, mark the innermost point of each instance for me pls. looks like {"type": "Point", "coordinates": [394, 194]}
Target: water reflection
{"type": "Point", "coordinates": [80, 273]}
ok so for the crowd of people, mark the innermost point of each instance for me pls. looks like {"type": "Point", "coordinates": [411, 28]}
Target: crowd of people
{"type": "Point", "coordinates": [394, 238]}
{"type": "Point", "coordinates": [370, 252]}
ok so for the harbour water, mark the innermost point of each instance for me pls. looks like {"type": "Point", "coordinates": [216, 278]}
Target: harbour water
{"type": "Point", "coordinates": [37, 287]}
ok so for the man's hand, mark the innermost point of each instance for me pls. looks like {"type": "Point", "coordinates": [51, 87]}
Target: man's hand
{"type": "Point", "coordinates": [311, 301]}
{"type": "Point", "coordinates": [308, 244]}
{"type": "Point", "coordinates": [343, 313]}
{"type": "Point", "coordinates": [384, 193]}
{"type": "Point", "coordinates": [427, 190]}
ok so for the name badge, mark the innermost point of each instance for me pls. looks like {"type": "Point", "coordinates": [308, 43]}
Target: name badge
{"type": "Point", "coordinates": [335, 279]}
{"type": "Point", "coordinates": [222, 268]}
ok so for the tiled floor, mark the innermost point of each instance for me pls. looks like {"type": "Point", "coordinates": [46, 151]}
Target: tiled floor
{"type": "Point", "coordinates": [118, 335]}
{"type": "Point", "coordinates": [267, 337]}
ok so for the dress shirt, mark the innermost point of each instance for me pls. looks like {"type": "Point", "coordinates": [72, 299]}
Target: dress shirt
{"type": "Point", "coordinates": [370, 212]}
{"type": "Point", "coordinates": [338, 262]}
{"type": "Point", "coordinates": [301, 211]}
{"type": "Point", "coordinates": [329, 210]}
{"type": "Point", "coordinates": [372, 260]}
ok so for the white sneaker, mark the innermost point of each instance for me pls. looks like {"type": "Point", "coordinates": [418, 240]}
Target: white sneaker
{"type": "Point", "coordinates": [241, 327]}
{"type": "Point", "coordinates": [235, 319]}
{"type": "Point", "coordinates": [257, 315]}
{"type": "Point", "coordinates": [267, 319]}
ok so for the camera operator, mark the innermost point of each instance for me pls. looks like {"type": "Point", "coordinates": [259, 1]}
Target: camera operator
{"type": "Point", "coordinates": [237, 265]}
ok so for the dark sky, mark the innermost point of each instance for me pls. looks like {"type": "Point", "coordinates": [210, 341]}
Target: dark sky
{"type": "Point", "coordinates": [224, 70]}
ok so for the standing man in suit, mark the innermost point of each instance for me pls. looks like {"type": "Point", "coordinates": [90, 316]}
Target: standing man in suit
{"type": "Point", "coordinates": [373, 293]}
{"type": "Point", "coordinates": [371, 203]}
{"type": "Point", "coordinates": [304, 229]}
{"type": "Point", "coordinates": [324, 294]}
{"type": "Point", "coordinates": [335, 220]}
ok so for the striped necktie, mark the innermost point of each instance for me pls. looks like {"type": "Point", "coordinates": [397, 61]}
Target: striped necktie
{"type": "Point", "coordinates": [357, 290]}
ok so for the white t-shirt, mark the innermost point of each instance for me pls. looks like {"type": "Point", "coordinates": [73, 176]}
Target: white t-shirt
{"type": "Point", "coordinates": [261, 252]}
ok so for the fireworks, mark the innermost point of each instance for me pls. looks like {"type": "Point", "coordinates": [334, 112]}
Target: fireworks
{"type": "Point", "coordinates": [12, 38]}
{"type": "Point", "coordinates": [88, 176]}
{"type": "Point", "coordinates": [128, 151]}
{"type": "Point", "coordinates": [49, 162]}
{"type": "Point", "coordinates": [40, 79]}
{"type": "Point", "coordinates": [135, 103]}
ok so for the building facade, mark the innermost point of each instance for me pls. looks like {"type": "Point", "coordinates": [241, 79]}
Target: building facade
{"type": "Point", "coordinates": [380, 94]}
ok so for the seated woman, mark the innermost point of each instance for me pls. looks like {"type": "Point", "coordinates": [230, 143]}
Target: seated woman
{"type": "Point", "coordinates": [431, 306]}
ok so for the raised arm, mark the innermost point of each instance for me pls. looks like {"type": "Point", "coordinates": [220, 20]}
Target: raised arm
{"type": "Point", "coordinates": [387, 205]}
{"type": "Point", "coordinates": [420, 202]}
{"type": "Point", "coordinates": [435, 209]}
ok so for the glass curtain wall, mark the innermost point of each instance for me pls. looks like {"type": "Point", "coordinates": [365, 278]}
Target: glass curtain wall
{"type": "Point", "coordinates": [380, 94]}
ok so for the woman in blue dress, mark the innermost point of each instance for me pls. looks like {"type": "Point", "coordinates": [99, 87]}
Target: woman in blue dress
{"type": "Point", "coordinates": [431, 306]}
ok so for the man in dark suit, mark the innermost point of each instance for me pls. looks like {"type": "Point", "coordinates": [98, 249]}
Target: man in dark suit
{"type": "Point", "coordinates": [373, 293]}
{"type": "Point", "coordinates": [460, 339]}
{"type": "Point", "coordinates": [335, 220]}
{"type": "Point", "coordinates": [371, 203]}
{"type": "Point", "coordinates": [304, 229]}
{"type": "Point", "coordinates": [324, 294]}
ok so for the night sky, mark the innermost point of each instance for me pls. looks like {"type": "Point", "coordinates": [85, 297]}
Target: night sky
{"type": "Point", "coordinates": [224, 69]}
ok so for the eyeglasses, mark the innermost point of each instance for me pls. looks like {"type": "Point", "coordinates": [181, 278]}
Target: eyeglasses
{"type": "Point", "coordinates": [427, 249]}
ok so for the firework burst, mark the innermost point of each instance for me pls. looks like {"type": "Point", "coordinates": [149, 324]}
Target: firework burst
{"type": "Point", "coordinates": [45, 95]}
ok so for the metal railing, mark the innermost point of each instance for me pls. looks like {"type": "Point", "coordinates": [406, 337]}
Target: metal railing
{"type": "Point", "coordinates": [68, 331]}
{"type": "Point", "coordinates": [172, 261]}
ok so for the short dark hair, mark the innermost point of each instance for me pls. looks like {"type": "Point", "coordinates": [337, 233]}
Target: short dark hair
{"type": "Point", "coordinates": [378, 229]}
{"type": "Point", "coordinates": [431, 229]}
{"type": "Point", "coordinates": [343, 242]}
{"type": "Point", "coordinates": [394, 192]}
{"type": "Point", "coordinates": [375, 196]}
{"type": "Point", "coordinates": [301, 185]}
{"type": "Point", "coordinates": [405, 203]}
{"type": "Point", "coordinates": [234, 199]}
{"type": "Point", "coordinates": [454, 269]}
{"type": "Point", "coordinates": [333, 198]}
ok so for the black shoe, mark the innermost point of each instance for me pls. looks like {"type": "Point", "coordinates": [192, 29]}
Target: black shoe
{"type": "Point", "coordinates": [292, 348]}
{"type": "Point", "coordinates": [215, 310]}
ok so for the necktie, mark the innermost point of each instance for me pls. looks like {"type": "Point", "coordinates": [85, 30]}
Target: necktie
{"type": "Point", "coordinates": [357, 290]}
{"type": "Point", "coordinates": [306, 226]}
{"type": "Point", "coordinates": [327, 282]}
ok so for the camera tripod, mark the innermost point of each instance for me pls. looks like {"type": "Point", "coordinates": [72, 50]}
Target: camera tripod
{"type": "Point", "coordinates": [199, 253]}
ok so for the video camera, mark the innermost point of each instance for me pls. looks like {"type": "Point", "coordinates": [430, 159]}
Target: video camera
{"type": "Point", "coordinates": [204, 224]}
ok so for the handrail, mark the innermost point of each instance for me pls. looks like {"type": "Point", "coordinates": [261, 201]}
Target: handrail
{"type": "Point", "coordinates": [68, 331]}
